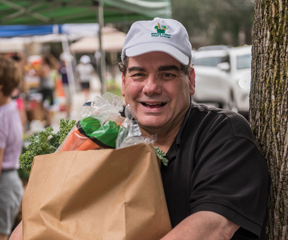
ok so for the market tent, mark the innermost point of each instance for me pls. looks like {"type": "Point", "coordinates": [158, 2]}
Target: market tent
{"type": "Point", "coordinates": [112, 40]}
{"type": "Point", "coordinates": [45, 12]}
{"type": "Point", "coordinates": [12, 45]}
{"type": "Point", "coordinates": [40, 12]}
{"type": "Point", "coordinates": [13, 38]}
{"type": "Point", "coordinates": [10, 31]}
{"type": "Point", "coordinates": [26, 30]}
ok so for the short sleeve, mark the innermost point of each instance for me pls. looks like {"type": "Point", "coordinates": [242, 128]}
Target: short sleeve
{"type": "Point", "coordinates": [231, 179]}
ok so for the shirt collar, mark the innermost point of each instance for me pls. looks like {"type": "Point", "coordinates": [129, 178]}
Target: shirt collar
{"type": "Point", "coordinates": [177, 141]}
{"type": "Point", "coordinates": [179, 135]}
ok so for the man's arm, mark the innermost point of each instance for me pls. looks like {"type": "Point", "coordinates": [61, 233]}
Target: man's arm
{"type": "Point", "coordinates": [17, 233]}
{"type": "Point", "coordinates": [203, 225]}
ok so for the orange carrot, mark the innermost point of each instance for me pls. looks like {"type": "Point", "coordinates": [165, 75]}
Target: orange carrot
{"type": "Point", "coordinates": [73, 141]}
{"type": "Point", "coordinates": [88, 145]}
{"type": "Point", "coordinates": [77, 141]}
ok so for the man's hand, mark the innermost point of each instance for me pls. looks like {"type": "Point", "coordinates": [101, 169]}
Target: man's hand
{"type": "Point", "coordinates": [17, 233]}
{"type": "Point", "coordinates": [203, 225]}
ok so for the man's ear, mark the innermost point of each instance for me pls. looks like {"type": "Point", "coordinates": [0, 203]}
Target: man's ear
{"type": "Point", "coordinates": [123, 85]}
{"type": "Point", "coordinates": [192, 81]}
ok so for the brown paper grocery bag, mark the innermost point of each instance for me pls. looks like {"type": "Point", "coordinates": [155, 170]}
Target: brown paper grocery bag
{"type": "Point", "coordinates": [97, 194]}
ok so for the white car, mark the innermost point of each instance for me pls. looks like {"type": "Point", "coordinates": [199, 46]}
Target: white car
{"type": "Point", "coordinates": [223, 76]}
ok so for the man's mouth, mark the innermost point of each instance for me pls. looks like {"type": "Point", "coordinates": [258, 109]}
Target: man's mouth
{"type": "Point", "coordinates": [153, 105]}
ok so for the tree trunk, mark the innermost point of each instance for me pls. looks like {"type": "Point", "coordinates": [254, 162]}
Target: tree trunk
{"type": "Point", "coordinates": [269, 104]}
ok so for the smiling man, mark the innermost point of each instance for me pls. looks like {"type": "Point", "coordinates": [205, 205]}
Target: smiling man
{"type": "Point", "coordinates": [216, 183]}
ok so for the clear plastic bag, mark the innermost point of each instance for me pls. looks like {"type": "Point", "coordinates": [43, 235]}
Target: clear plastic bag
{"type": "Point", "coordinates": [102, 126]}
{"type": "Point", "coordinates": [130, 133]}
{"type": "Point", "coordinates": [98, 127]}
{"type": "Point", "coordinates": [104, 108]}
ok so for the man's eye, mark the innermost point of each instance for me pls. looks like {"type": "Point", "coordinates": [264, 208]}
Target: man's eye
{"type": "Point", "coordinates": [168, 75]}
{"type": "Point", "coordinates": [138, 75]}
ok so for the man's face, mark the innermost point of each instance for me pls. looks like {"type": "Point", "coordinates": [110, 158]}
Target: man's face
{"type": "Point", "coordinates": [157, 90]}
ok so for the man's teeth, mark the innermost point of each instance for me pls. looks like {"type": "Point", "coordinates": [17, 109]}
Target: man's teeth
{"type": "Point", "coordinates": [154, 104]}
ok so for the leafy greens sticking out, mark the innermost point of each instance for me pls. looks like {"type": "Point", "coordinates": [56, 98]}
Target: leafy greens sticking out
{"type": "Point", "coordinates": [45, 142]}
{"type": "Point", "coordinates": [162, 156]}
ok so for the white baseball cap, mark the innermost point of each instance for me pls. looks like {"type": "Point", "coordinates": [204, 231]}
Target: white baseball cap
{"type": "Point", "coordinates": [164, 35]}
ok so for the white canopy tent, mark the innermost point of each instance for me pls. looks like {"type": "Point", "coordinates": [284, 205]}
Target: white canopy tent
{"type": "Point", "coordinates": [112, 41]}
{"type": "Point", "coordinates": [12, 45]}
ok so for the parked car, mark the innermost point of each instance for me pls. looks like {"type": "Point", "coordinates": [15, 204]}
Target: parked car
{"type": "Point", "coordinates": [223, 76]}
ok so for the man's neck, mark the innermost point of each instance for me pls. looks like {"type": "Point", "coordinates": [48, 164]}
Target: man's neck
{"type": "Point", "coordinates": [166, 134]}
{"type": "Point", "coordinates": [164, 138]}
{"type": "Point", "coordinates": [165, 142]}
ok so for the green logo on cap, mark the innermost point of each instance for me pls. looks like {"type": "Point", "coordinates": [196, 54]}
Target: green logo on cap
{"type": "Point", "coordinates": [160, 31]}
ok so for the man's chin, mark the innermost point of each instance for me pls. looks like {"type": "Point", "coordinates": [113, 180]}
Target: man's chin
{"type": "Point", "coordinates": [150, 127]}
{"type": "Point", "coordinates": [151, 122]}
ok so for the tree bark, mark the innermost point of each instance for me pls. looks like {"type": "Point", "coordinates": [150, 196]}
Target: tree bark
{"type": "Point", "coordinates": [269, 104]}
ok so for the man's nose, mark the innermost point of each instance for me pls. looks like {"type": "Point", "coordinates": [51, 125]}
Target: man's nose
{"type": "Point", "coordinates": [152, 86]}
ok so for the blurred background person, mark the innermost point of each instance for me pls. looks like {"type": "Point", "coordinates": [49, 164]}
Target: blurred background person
{"type": "Point", "coordinates": [84, 72]}
{"type": "Point", "coordinates": [19, 93]}
{"type": "Point", "coordinates": [47, 72]}
{"type": "Point", "coordinates": [65, 57]}
{"type": "Point", "coordinates": [11, 133]}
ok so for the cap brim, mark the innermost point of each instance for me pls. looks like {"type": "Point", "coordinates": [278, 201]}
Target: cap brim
{"type": "Point", "coordinates": [157, 47]}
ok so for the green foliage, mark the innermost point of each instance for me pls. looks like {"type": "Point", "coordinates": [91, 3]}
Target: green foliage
{"type": "Point", "coordinates": [65, 127]}
{"type": "Point", "coordinates": [215, 18]}
{"type": "Point", "coordinates": [113, 88]}
{"type": "Point", "coordinates": [23, 174]}
{"type": "Point", "coordinates": [162, 156]}
{"type": "Point", "coordinates": [45, 142]}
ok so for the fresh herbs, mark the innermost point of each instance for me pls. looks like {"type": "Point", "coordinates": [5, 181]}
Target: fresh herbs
{"type": "Point", "coordinates": [65, 127]}
{"type": "Point", "coordinates": [45, 142]}
{"type": "Point", "coordinates": [162, 156]}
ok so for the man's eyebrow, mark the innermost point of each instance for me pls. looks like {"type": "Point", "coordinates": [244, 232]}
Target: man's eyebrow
{"type": "Point", "coordinates": [169, 68]}
{"type": "Point", "coordinates": [141, 69]}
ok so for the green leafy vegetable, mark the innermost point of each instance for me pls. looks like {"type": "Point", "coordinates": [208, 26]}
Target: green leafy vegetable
{"type": "Point", "coordinates": [162, 156]}
{"type": "Point", "coordinates": [65, 127]}
{"type": "Point", "coordinates": [45, 142]}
